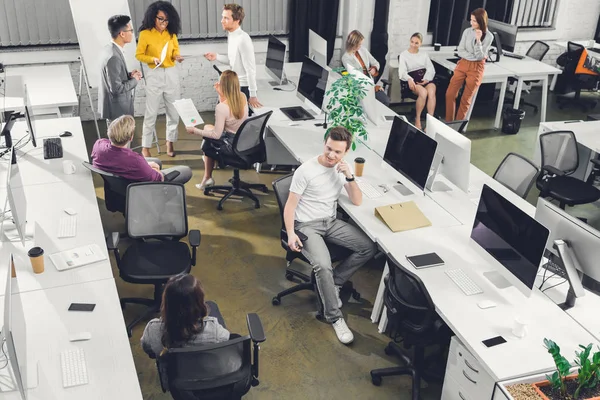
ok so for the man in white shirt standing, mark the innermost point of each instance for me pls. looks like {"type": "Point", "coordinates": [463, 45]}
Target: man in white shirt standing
{"type": "Point", "coordinates": [240, 52]}
{"type": "Point", "coordinates": [311, 210]}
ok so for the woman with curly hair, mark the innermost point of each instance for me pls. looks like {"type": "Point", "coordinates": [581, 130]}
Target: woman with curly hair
{"type": "Point", "coordinates": [160, 28]}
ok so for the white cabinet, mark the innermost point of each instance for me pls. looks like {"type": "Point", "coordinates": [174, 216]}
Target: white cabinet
{"type": "Point", "coordinates": [465, 378]}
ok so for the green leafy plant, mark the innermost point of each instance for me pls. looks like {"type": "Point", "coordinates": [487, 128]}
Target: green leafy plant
{"type": "Point", "coordinates": [344, 108]}
{"type": "Point", "coordinates": [557, 379]}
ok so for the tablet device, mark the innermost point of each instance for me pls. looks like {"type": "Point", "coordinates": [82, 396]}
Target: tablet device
{"type": "Point", "coordinates": [425, 260]}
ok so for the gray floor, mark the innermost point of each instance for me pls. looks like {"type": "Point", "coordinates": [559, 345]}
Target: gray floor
{"type": "Point", "coordinates": [241, 265]}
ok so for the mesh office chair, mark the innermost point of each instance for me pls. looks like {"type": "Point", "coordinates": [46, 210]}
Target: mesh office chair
{"type": "Point", "coordinates": [156, 221]}
{"type": "Point", "coordinates": [249, 148]}
{"type": "Point", "coordinates": [559, 160]}
{"type": "Point", "coordinates": [575, 82]}
{"type": "Point", "coordinates": [516, 173]}
{"type": "Point", "coordinates": [412, 315]}
{"type": "Point", "coordinates": [281, 187]}
{"type": "Point", "coordinates": [220, 371]}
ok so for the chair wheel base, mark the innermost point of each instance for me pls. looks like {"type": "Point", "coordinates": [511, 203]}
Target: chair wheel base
{"type": "Point", "coordinates": [275, 301]}
{"type": "Point", "coordinates": [320, 317]}
{"type": "Point", "coordinates": [220, 207]}
{"type": "Point", "coordinates": [289, 277]}
{"type": "Point", "coordinates": [376, 380]}
{"type": "Point", "coordinates": [356, 295]}
{"type": "Point", "coordinates": [388, 350]}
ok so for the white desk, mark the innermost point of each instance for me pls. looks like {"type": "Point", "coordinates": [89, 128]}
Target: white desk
{"type": "Point", "coordinates": [109, 362]}
{"type": "Point", "coordinates": [50, 89]}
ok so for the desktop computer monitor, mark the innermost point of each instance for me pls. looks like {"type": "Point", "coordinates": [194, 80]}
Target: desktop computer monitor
{"type": "Point", "coordinates": [455, 150]}
{"type": "Point", "coordinates": [29, 116]}
{"type": "Point", "coordinates": [581, 238]}
{"type": "Point", "coordinates": [17, 204]}
{"type": "Point", "coordinates": [317, 48]}
{"type": "Point", "coordinates": [372, 108]}
{"type": "Point", "coordinates": [313, 83]}
{"type": "Point", "coordinates": [275, 60]}
{"type": "Point", "coordinates": [410, 152]}
{"type": "Point", "coordinates": [512, 238]}
{"type": "Point", "coordinates": [465, 24]}
{"type": "Point", "coordinates": [507, 34]}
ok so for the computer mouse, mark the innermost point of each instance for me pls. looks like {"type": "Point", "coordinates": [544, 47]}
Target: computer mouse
{"type": "Point", "coordinates": [70, 211]}
{"type": "Point", "coordinates": [66, 134]}
{"type": "Point", "coordinates": [486, 304]}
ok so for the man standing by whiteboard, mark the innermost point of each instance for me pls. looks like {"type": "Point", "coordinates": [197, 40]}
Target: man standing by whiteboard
{"type": "Point", "coordinates": [115, 94]}
{"type": "Point", "coordinates": [240, 52]}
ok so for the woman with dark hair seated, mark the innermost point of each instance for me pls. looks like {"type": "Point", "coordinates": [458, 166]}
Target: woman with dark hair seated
{"type": "Point", "coordinates": [185, 318]}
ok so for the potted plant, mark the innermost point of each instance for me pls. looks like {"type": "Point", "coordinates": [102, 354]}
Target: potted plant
{"type": "Point", "coordinates": [582, 385]}
{"type": "Point", "coordinates": [344, 104]}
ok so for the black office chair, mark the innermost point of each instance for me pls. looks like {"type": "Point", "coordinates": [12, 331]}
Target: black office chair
{"type": "Point", "coordinates": [575, 82]}
{"type": "Point", "coordinates": [412, 315]}
{"type": "Point", "coordinates": [156, 221]}
{"type": "Point", "coordinates": [459, 125]}
{"type": "Point", "coordinates": [516, 173]}
{"type": "Point", "coordinates": [281, 187]}
{"type": "Point", "coordinates": [537, 51]}
{"type": "Point", "coordinates": [220, 371]}
{"type": "Point", "coordinates": [249, 148]}
{"type": "Point", "coordinates": [559, 160]}
{"type": "Point", "coordinates": [115, 188]}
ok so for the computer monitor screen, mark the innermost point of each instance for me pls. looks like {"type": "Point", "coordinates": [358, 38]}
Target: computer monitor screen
{"type": "Point", "coordinates": [29, 116]}
{"type": "Point", "coordinates": [582, 238]}
{"type": "Point", "coordinates": [372, 108]}
{"type": "Point", "coordinates": [506, 32]}
{"type": "Point", "coordinates": [317, 48]}
{"type": "Point", "coordinates": [455, 150]}
{"type": "Point", "coordinates": [275, 59]}
{"type": "Point", "coordinates": [465, 24]}
{"type": "Point", "coordinates": [17, 204]}
{"type": "Point", "coordinates": [410, 151]}
{"type": "Point", "coordinates": [511, 237]}
{"type": "Point", "coordinates": [313, 82]}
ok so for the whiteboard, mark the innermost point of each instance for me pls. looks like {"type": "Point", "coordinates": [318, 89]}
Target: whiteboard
{"type": "Point", "coordinates": [91, 25]}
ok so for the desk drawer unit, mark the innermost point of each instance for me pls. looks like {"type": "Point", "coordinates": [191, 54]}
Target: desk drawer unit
{"type": "Point", "coordinates": [465, 372]}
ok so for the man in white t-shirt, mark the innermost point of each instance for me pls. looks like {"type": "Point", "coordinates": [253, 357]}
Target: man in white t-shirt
{"type": "Point", "coordinates": [311, 210]}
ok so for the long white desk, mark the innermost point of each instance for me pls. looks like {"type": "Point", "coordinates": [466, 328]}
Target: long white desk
{"type": "Point", "coordinates": [110, 367]}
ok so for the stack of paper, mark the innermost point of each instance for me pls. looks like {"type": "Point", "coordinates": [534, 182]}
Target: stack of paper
{"type": "Point", "coordinates": [188, 112]}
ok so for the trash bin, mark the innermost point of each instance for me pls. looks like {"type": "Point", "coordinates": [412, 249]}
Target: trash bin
{"type": "Point", "coordinates": [511, 120]}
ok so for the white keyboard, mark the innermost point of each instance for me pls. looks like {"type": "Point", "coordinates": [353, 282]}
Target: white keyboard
{"type": "Point", "coordinates": [465, 283]}
{"type": "Point", "coordinates": [74, 370]}
{"type": "Point", "coordinates": [67, 226]}
{"type": "Point", "coordinates": [368, 189]}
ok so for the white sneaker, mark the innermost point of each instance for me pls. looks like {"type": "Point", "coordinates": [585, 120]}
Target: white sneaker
{"type": "Point", "coordinates": [342, 331]}
{"type": "Point", "coordinates": [337, 295]}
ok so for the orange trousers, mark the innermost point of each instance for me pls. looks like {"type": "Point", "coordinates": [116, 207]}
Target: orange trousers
{"type": "Point", "coordinates": [471, 74]}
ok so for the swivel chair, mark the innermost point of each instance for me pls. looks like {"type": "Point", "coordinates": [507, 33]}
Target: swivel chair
{"type": "Point", "coordinates": [156, 221]}
{"type": "Point", "coordinates": [249, 148]}
{"type": "Point", "coordinates": [560, 159]}
{"type": "Point", "coordinates": [516, 173]}
{"type": "Point", "coordinates": [412, 315]}
{"type": "Point", "coordinates": [576, 82]}
{"type": "Point", "coordinates": [281, 187]}
{"type": "Point", "coordinates": [222, 371]}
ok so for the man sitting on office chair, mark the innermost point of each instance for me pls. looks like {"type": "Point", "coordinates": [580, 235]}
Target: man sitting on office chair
{"type": "Point", "coordinates": [114, 156]}
{"type": "Point", "coordinates": [311, 210]}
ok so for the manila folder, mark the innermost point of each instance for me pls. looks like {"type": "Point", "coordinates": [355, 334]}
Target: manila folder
{"type": "Point", "coordinates": [402, 216]}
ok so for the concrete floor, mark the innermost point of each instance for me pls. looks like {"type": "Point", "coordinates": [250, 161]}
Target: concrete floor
{"type": "Point", "coordinates": [241, 265]}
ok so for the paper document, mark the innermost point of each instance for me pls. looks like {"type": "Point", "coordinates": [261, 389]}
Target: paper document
{"type": "Point", "coordinates": [188, 112]}
{"type": "Point", "coordinates": [77, 257]}
{"type": "Point", "coordinates": [163, 54]}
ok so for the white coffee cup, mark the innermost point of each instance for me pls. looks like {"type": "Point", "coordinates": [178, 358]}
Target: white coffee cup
{"type": "Point", "coordinates": [520, 327]}
{"type": "Point", "coordinates": [69, 167]}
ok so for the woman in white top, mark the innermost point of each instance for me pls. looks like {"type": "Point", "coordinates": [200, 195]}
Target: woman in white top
{"type": "Point", "coordinates": [416, 73]}
{"type": "Point", "coordinates": [359, 58]}
{"type": "Point", "coordinates": [231, 111]}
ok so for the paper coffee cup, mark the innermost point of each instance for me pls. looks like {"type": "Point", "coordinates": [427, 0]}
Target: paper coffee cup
{"type": "Point", "coordinates": [359, 165]}
{"type": "Point", "coordinates": [437, 46]}
{"type": "Point", "coordinates": [520, 327]}
{"type": "Point", "coordinates": [36, 256]}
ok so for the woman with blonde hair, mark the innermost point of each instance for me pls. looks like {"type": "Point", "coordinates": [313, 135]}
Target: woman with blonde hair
{"type": "Point", "coordinates": [231, 111]}
{"type": "Point", "coordinates": [359, 58]}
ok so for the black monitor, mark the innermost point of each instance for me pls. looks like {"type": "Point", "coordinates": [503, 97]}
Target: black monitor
{"type": "Point", "coordinates": [512, 237]}
{"type": "Point", "coordinates": [507, 34]}
{"type": "Point", "coordinates": [410, 151]}
{"type": "Point", "coordinates": [11, 119]}
{"type": "Point", "coordinates": [313, 82]}
{"type": "Point", "coordinates": [465, 24]}
{"type": "Point", "coordinates": [29, 116]}
{"type": "Point", "coordinates": [275, 60]}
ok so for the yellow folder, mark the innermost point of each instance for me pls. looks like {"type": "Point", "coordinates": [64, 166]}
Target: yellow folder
{"type": "Point", "coordinates": [402, 216]}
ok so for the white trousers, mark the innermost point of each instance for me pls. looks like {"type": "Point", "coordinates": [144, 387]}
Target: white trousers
{"type": "Point", "coordinates": [161, 83]}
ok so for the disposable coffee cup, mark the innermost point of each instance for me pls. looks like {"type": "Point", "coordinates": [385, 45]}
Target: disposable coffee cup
{"type": "Point", "coordinates": [359, 165]}
{"type": "Point", "coordinates": [520, 327]}
{"type": "Point", "coordinates": [36, 256]}
{"type": "Point", "coordinates": [437, 46]}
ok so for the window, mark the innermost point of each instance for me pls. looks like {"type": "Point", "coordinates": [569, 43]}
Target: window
{"type": "Point", "coordinates": [534, 13]}
{"type": "Point", "coordinates": [32, 23]}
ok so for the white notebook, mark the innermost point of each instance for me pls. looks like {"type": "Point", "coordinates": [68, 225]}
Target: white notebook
{"type": "Point", "coordinates": [77, 257]}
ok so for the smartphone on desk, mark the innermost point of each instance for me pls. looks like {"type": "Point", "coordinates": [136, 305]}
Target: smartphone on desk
{"type": "Point", "coordinates": [82, 307]}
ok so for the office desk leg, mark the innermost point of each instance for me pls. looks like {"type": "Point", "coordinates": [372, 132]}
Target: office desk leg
{"type": "Point", "coordinates": [378, 304]}
{"type": "Point", "coordinates": [500, 104]}
{"type": "Point", "coordinates": [518, 94]}
{"type": "Point", "coordinates": [554, 78]}
{"type": "Point", "coordinates": [383, 321]}
{"type": "Point", "coordinates": [544, 98]}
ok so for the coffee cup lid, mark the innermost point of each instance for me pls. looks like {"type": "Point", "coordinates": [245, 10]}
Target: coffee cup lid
{"type": "Point", "coordinates": [359, 160]}
{"type": "Point", "coordinates": [35, 252]}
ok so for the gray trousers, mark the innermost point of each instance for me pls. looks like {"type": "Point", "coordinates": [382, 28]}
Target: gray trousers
{"type": "Point", "coordinates": [162, 84]}
{"type": "Point", "coordinates": [331, 230]}
{"type": "Point", "coordinates": [185, 172]}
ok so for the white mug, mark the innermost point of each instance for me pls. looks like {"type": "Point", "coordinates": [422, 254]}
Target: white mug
{"type": "Point", "coordinates": [69, 167]}
{"type": "Point", "coordinates": [520, 327]}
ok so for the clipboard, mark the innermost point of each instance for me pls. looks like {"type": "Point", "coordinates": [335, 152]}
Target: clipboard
{"type": "Point", "coordinates": [402, 216]}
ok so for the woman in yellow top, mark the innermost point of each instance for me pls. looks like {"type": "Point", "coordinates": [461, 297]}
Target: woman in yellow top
{"type": "Point", "coordinates": [160, 28]}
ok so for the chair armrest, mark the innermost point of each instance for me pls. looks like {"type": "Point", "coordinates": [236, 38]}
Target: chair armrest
{"type": "Point", "coordinates": [384, 82]}
{"type": "Point", "coordinates": [551, 170]}
{"type": "Point", "coordinates": [257, 333]}
{"type": "Point", "coordinates": [171, 175]}
{"type": "Point", "coordinates": [194, 239]}
{"type": "Point", "coordinates": [301, 236]}
{"type": "Point", "coordinates": [595, 161]}
{"type": "Point", "coordinates": [112, 241]}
